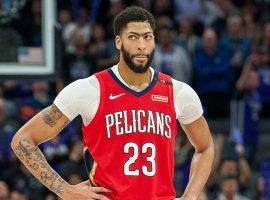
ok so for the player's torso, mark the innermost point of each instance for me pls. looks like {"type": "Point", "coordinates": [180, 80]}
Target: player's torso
{"type": "Point", "coordinates": [132, 139]}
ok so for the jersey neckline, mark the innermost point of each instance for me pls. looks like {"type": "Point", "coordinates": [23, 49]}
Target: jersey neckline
{"type": "Point", "coordinates": [138, 94]}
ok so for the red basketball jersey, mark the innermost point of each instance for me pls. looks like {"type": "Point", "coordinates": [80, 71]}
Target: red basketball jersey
{"type": "Point", "coordinates": [132, 139]}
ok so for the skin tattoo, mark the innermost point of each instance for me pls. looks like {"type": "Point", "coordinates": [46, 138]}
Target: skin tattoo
{"type": "Point", "coordinates": [51, 116]}
{"type": "Point", "coordinates": [32, 157]}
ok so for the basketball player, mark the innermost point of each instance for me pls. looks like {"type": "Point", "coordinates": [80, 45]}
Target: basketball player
{"type": "Point", "coordinates": [129, 114]}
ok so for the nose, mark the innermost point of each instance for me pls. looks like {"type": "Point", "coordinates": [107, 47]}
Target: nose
{"type": "Point", "coordinates": [141, 44]}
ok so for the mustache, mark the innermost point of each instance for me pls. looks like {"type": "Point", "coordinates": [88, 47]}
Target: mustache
{"type": "Point", "coordinates": [140, 54]}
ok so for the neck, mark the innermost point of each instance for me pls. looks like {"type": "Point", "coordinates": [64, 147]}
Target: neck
{"type": "Point", "coordinates": [133, 79]}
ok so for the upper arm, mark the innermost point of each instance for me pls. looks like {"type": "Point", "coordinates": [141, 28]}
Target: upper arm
{"type": "Point", "coordinates": [199, 134]}
{"type": "Point", "coordinates": [45, 125]}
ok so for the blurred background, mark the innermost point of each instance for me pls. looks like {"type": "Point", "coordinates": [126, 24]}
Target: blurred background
{"type": "Point", "coordinates": [220, 47]}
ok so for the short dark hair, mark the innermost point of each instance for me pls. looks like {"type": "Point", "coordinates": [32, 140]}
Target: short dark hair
{"type": "Point", "coordinates": [132, 14]}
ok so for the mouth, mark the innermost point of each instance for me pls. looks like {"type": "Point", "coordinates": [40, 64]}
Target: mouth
{"type": "Point", "coordinates": [141, 58]}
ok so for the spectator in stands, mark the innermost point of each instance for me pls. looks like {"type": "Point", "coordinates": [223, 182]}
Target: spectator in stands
{"type": "Point", "coordinates": [146, 4]}
{"type": "Point", "coordinates": [30, 26]}
{"type": "Point", "coordinates": [246, 114]}
{"type": "Point", "coordinates": [211, 74]}
{"type": "Point", "coordinates": [75, 163]}
{"type": "Point", "coordinates": [40, 99]}
{"type": "Point", "coordinates": [212, 182]}
{"type": "Point", "coordinates": [103, 52]}
{"type": "Point", "coordinates": [55, 150]}
{"type": "Point", "coordinates": [237, 46]}
{"type": "Point", "coordinates": [35, 39]}
{"type": "Point", "coordinates": [259, 189]}
{"type": "Point", "coordinates": [64, 17]}
{"type": "Point", "coordinates": [230, 189]}
{"type": "Point", "coordinates": [251, 29]}
{"type": "Point", "coordinates": [16, 89]}
{"type": "Point", "coordinates": [23, 184]}
{"type": "Point", "coordinates": [80, 27]}
{"type": "Point", "coordinates": [116, 6]}
{"type": "Point", "coordinates": [260, 61]}
{"type": "Point", "coordinates": [183, 158]}
{"type": "Point", "coordinates": [230, 166]}
{"type": "Point", "coordinates": [200, 12]}
{"type": "Point", "coordinates": [78, 64]}
{"type": "Point", "coordinates": [237, 168]}
{"type": "Point", "coordinates": [6, 134]}
{"type": "Point", "coordinates": [211, 12]}
{"type": "Point", "coordinates": [227, 8]}
{"type": "Point", "coordinates": [264, 85]}
{"type": "Point", "coordinates": [171, 59]}
{"type": "Point", "coordinates": [4, 191]}
{"type": "Point", "coordinates": [10, 41]}
{"type": "Point", "coordinates": [186, 37]}
{"type": "Point", "coordinates": [186, 9]}
{"type": "Point", "coordinates": [163, 7]}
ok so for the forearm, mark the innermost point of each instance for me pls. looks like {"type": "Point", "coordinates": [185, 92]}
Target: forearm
{"type": "Point", "coordinates": [245, 172]}
{"type": "Point", "coordinates": [199, 172]}
{"type": "Point", "coordinates": [31, 156]}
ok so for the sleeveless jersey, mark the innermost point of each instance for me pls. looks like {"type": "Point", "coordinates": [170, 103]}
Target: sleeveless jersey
{"type": "Point", "coordinates": [132, 139]}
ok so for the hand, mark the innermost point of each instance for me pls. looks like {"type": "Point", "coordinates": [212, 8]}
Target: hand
{"type": "Point", "coordinates": [240, 150]}
{"type": "Point", "coordinates": [83, 191]}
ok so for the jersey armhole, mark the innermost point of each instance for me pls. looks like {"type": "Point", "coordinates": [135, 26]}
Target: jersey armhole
{"type": "Point", "coordinates": [168, 81]}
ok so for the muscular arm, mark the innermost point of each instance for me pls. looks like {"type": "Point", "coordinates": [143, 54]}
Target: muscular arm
{"type": "Point", "coordinates": [45, 125]}
{"type": "Point", "coordinates": [200, 137]}
{"type": "Point", "coordinates": [42, 127]}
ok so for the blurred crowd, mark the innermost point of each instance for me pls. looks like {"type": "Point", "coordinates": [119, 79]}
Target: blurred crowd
{"type": "Point", "coordinates": [220, 47]}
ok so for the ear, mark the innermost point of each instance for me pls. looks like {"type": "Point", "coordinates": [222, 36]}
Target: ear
{"type": "Point", "coordinates": [118, 42]}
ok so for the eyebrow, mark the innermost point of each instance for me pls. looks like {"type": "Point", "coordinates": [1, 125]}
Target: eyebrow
{"type": "Point", "coordinates": [149, 32]}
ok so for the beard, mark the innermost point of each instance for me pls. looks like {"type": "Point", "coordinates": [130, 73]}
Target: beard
{"type": "Point", "coordinates": [128, 58]}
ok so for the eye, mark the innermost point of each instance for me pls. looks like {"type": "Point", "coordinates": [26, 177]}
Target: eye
{"type": "Point", "coordinates": [132, 37]}
{"type": "Point", "coordinates": [148, 37]}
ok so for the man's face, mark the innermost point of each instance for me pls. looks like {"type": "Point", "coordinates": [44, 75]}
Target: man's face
{"type": "Point", "coordinates": [234, 29]}
{"type": "Point", "coordinates": [228, 168]}
{"type": "Point", "coordinates": [136, 44]}
{"type": "Point", "coordinates": [230, 187]}
{"type": "Point", "coordinates": [210, 40]}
